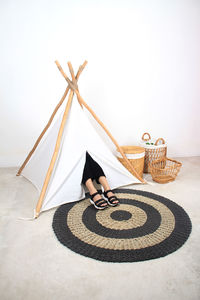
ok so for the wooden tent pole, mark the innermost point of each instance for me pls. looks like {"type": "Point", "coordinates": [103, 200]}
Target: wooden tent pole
{"type": "Point", "coordinates": [50, 120]}
{"type": "Point", "coordinates": [55, 154]}
{"type": "Point", "coordinates": [73, 77]}
{"type": "Point", "coordinates": [71, 71]}
{"type": "Point", "coordinates": [101, 124]}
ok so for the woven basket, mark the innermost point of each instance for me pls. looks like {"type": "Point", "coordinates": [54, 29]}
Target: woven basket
{"type": "Point", "coordinates": [153, 150]}
{"type": "Point", "coordinates": [135, 155]}
{"type": "Point", "coordinates": [164, 170]}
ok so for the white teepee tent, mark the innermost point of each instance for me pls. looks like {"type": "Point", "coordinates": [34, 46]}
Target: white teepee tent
{"type": "Point", "coordinates": [56, 167]}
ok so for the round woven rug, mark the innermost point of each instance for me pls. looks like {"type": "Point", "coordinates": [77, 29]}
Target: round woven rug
{"type": "Point", "coordinates": [144, 226]}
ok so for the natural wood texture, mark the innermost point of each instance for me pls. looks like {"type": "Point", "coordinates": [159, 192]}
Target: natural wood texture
{"type": "Point", "coordinates": [81, 68]}
{"type": "Point", "coordinates": [101, 124]}
{"type": "Point", "coordinates": [71, 71]}
{"type": "Point", "coordinates": [73, 77]}
{"type": "Point", "coordinates": [71, 84]}
{"type": "Point", "coordinates": [55, 154]}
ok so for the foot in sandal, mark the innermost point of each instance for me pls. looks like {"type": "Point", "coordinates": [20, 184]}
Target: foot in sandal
{"type": "Point", "coordinates": [98, 201]}
{"type": "Point", "coordinates": [111, 198]}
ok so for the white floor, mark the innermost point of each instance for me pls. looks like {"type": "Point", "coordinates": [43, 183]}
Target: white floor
{"type": "Point", "coordinates": [34, 265]}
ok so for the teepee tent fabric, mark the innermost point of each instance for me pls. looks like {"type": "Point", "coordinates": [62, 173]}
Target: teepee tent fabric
{"type": "Point", "coordinates": [78, 137]}
{"type": "Point", "coordinates": [55, 163]}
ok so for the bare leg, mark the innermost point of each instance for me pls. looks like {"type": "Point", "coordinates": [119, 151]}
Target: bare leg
{"type": "Point", "coordinates": [89, 184]}
{"type": "Point", "coordinates": [106, 187]}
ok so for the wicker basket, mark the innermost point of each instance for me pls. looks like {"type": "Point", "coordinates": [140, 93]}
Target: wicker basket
{"type": "Point", "coordinates": [135, 155]}
{"type": "Point", "coordinates": [153, 150]}
{"type": "Point", "coordinates": [164, 170]}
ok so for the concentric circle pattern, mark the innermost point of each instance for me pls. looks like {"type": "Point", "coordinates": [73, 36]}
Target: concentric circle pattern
{"type": "Point", "coordinates": [144, 226]}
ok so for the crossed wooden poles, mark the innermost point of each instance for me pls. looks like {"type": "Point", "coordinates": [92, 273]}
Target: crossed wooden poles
{"type": "Point", "coordinates": [73, 88]}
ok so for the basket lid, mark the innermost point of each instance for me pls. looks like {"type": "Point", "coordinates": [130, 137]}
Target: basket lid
{"type": "Point", "coordinates": [132, 149]}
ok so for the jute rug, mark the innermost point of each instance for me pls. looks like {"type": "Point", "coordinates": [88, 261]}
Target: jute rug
{"type": "Point", "coordinates": [144, 226]}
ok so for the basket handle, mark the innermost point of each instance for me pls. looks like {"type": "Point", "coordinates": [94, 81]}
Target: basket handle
{"type": "Point", "coordinates": [146, 139]}
{"type": "Point", "coordinates": [160, 139]}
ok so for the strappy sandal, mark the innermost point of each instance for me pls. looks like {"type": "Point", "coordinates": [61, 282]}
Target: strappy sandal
{"type": "Point", "coordinates": [98, 204]}
{"type": "Point", "coordinates": [111, 199]}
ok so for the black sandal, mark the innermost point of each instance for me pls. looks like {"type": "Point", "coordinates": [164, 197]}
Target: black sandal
{"type": "Point", "coordinates": [111, 199]}
{"type": "Point", "coordinates": [98, 204]}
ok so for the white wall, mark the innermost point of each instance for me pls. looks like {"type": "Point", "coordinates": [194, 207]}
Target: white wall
{"type": "Point", "coordinates": [143, 69]}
